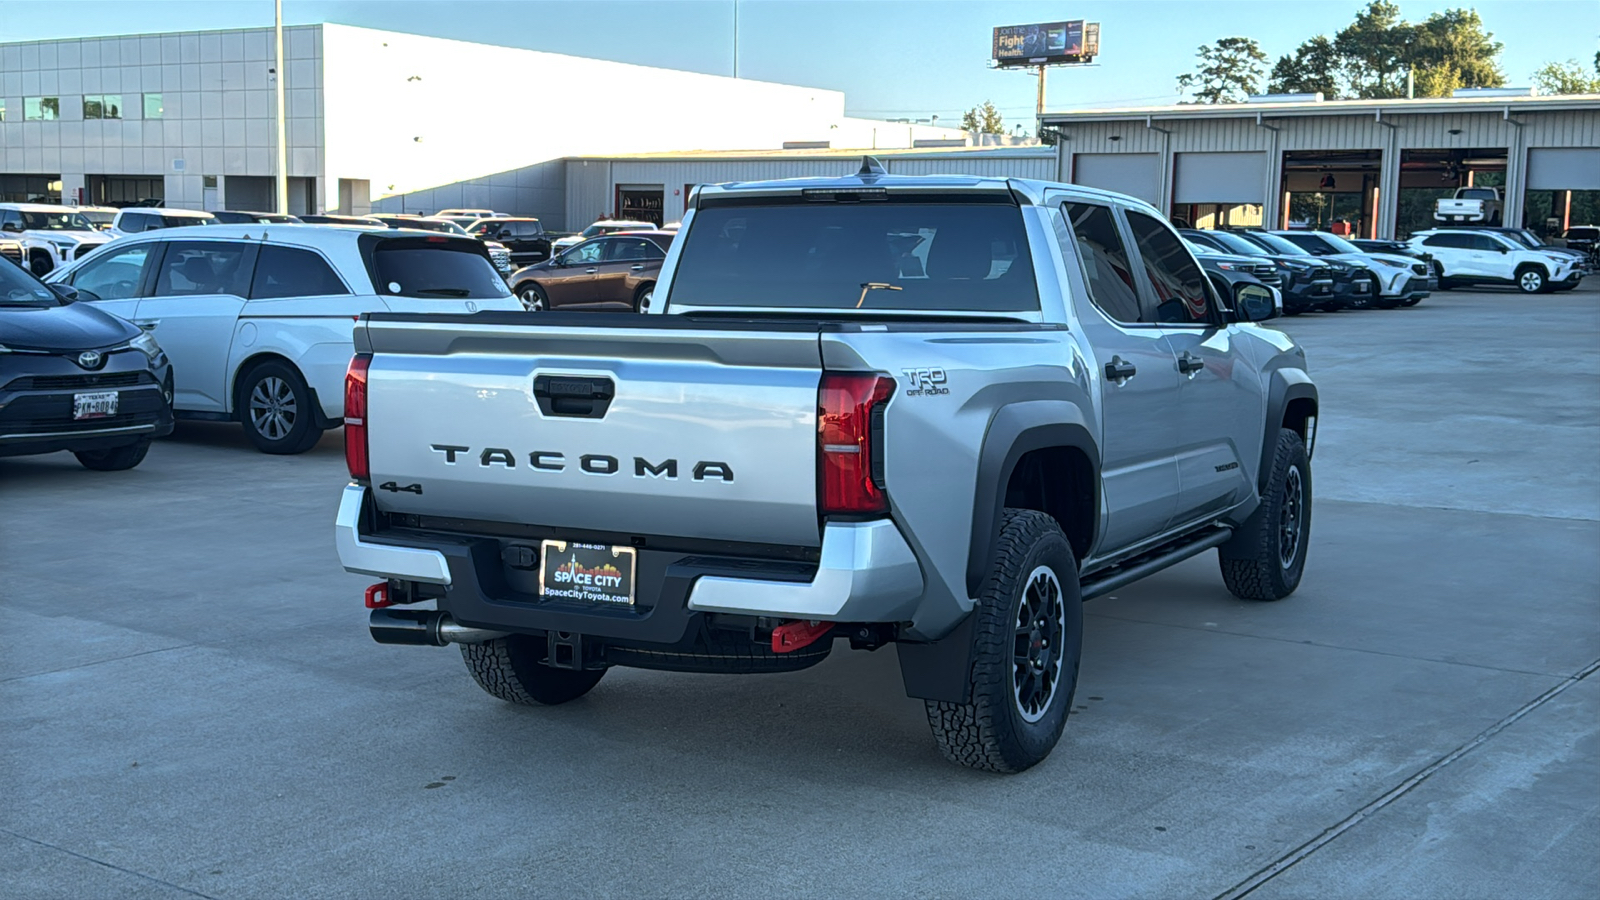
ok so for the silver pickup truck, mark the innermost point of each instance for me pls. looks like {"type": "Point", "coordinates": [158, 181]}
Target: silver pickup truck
{"type": "Point", "coordinates": [937, 412]}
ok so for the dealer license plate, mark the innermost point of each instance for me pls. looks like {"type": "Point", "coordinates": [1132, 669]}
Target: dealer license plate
{"type": "Point", "coordinates": [586, 573]}
{"type": "Point", "coordinates": [97, 405]}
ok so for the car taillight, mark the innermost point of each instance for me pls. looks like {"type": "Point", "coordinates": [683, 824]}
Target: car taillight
{"type": "Point", "coordinates": [355, 416]}
{"type": "Point", "coordinates": [846, 449]}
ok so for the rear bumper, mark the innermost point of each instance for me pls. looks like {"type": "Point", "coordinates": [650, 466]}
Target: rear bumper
{"type": "Point", "coordinates": [866, 573]}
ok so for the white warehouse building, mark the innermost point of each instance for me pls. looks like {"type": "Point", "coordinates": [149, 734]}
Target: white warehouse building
{"type": "Point", "coordinates": [189, 118]}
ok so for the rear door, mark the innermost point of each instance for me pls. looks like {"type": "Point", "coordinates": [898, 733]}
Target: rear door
{"type": "Point", "coordinates": [628, 259]}
{"type": "Point", "coordinates": [572, 283]}
{"type": "Point", "coordinates": [1220, 405]}
{"type": "Point", "coordinates": [192, 308]}
{"type": "Point", "coordinates": [1139, 380]}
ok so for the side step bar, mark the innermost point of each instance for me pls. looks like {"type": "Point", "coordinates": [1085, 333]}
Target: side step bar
{"type": "Point", "coordinates": [1107, 580]}
{"type": "Point", "coordinates": [424, 627]}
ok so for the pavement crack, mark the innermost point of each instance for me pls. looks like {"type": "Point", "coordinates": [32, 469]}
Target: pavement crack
{"type": "Point", "coordinates": [101, 862]}
{"type": "Point", "coordinates": [1305, 643]}
{"type": "Point", "coordinates": [1289, 859]}
{"type": "Point", "coordinates": [97, 662]}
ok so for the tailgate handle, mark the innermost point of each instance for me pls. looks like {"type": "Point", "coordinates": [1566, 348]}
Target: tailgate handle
{"type": "Point", "coordinates": [573, 396]}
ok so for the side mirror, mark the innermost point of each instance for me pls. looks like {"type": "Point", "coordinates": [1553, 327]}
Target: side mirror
{"type": "Point", "coordinates": [1505, 249]}
{"type": "Point", "coordinates": [65, 291]}
{"type": "Point", "coordinates": [11, 227]}
{"type": "Point", "coordinates": [1254, 303]}
{"type": "Point", "coordinates": [558, 261]}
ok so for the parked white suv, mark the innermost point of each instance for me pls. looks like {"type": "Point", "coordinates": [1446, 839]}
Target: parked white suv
{"type": "Point", "coordinates": [1466, 256]}
{"type": "Point", "coordinates": [257, 319]}
{"type": "Point", "coordinates": [139, 219]}
{"type": "Point", "coordinates": [51, 236]}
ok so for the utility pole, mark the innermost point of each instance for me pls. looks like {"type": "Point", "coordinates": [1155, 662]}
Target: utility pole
{"type": "Point", "coordinates": [1040, 109]}
{"type": "Point", "coordinates": [283, 130]}
{"type": "Point", "coordinates": [736, 38]}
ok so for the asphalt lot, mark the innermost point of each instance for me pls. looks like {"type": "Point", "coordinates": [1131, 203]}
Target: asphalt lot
{"type": "Point", "coordinates": [191, 705]}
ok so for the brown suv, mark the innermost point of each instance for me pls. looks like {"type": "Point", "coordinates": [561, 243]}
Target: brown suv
{"type": "Point", "coordinates": [616, 271]}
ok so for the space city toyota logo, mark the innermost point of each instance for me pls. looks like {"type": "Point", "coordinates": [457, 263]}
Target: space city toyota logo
{"type": "Point", "coordinates": [925, 382]}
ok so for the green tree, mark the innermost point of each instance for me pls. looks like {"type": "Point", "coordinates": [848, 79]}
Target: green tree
{"type": "Point", "coordinates": [1567, 78]}
{"type": "Point", "coordinates": [1373, 51]}
{"type": "Point", "coordinates": [1451, 50]}
{"type": "Point", "coordinates": [1227, 72]}
{"type": "Point", "coordinates": [1314, 66]}
{"type": "Point", "coordinates": [985, 119]}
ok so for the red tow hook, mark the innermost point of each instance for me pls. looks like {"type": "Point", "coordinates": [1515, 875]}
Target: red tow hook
{"type": "Point", "coordinates": [791, 636]}
{"type": "Point", "coordinates": [378, 596]}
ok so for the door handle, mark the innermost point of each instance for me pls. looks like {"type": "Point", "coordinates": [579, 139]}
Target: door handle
{"type": "Point", "coordinates": [148, 324]}
{"type": "Point", "coordinates": [591, 270]}
{"type": "Point", "coordinates": [1189, 364]}
{"type": "Point", "coordinates": [638, 268]}
{"type": "Point", "coordinates": [1120, 370]}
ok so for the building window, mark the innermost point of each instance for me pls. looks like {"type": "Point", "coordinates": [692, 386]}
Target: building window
{"type": "Point", "coordinates": [2, 109]}
{"type": "Point", "coordinates": [102, 106]}
{"type": "Point", "coordinates": [153, 108]}
{"type": "Point", "coordinates": [41, 109]}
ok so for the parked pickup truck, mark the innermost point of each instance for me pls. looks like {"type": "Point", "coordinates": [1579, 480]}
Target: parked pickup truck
{"type": "Point", "coordinates": [1480, 205]}
{"type": "Point", "coordinates": [933, 411]}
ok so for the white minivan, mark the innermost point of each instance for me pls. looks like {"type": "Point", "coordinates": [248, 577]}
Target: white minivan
{"type": "Point", "coordinates": [257, 318]}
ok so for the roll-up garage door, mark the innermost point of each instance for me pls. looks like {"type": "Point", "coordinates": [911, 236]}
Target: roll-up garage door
{"type": "Point", "coordinates": [1134, 174]}
{"type": "Point", "coordinates": [1564, 170]}
{"type": "Point", "coordinates": [1220, 178]}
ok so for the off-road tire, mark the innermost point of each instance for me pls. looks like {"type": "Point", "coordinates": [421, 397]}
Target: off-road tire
{"type": "Point", "coordinates": [989, 731]}
{"type": "Point", "coordinates": [115, 459]}
{"type": "Point", "coordinates": [1252, 561]}
{"type": "Point", "coordinates": [510, 668]}
{"type": "Point", "coordinates": [273, 378]}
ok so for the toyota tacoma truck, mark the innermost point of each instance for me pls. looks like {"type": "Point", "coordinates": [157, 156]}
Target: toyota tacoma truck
{"type": "Point", "coordinates": [1473, 205]}
{"type": "Point", "coordinates": [937, 412]}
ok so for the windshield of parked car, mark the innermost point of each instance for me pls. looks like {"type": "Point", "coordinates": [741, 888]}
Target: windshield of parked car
{"type": "Point", "coordinates": [55, 221]}
{"type": "Point", "coordinates": [419, 268]}
{"type": "Point", "coordinates": [18, 288]}
{"type": "Point", "coordinates": [1236, 244]}
{"type": "Point", "coordinates": [1339, 244]}
{"type": "Point", "coordinates": [1275, 244]}
{"type": "Point", "coordinates": [970, 256]}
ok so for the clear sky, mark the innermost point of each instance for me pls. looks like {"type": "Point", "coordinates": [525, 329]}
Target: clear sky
{"type": "Point", "coordinates": [891, 58]}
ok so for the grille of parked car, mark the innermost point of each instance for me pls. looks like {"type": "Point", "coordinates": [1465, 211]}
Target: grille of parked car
{"type": "Point", "coordinates": [1267, 273]}
{"type": "Point", "coordinates": [76, 382]}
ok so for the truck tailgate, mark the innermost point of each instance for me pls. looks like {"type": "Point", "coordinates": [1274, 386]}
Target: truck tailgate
{"type": "Point", "coordinates": [708, 432]}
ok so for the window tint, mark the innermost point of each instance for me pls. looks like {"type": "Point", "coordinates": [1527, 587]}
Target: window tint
{"type": "Point", "coordinates": [881, 255]}
{"type": "Point", "coordinates": [133, 223]}
{"type": "Point", "coordinates": [584, 254]}
{"type": "Point", "coordinates": [632, 249]}
{"type": "Point", "coordinates": [291, 272]}
{"type": "Point", "coordinates": [1180, 286]}
{"type": "Point", "coordinates": [204, 267]}
{"type": "Point", "coordinates": [113, 276]}
{"type": "Point", "coordinates": [1105, 261]}
{"type": "Point", "coordinates": [1487, 242]}
{"type": "Point", "coordinates": [1456, 241]}
{"type": "Point", "coordinates": [416, 268]}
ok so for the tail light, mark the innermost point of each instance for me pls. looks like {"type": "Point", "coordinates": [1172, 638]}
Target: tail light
{"type": "Point", "coordinates": [355, 416]}
{"type": "Point", "coordinates": [847, 455]}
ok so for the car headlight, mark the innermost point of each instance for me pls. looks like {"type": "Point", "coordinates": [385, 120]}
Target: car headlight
{"type": "Point", "coordinates": [1229, 266]}
{"type": "Point", "coordinates": [146, 343]}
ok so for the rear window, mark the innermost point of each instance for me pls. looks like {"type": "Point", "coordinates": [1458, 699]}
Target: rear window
{"type": "Point", "coordinates": [420, 268]}
{"type": "Point", "coordinates": [967, 257]}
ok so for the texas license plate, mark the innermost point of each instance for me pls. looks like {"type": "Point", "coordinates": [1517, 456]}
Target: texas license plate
{"type": "Point", "coordinates": [587, 573]}
{"type": "Point", "coordinates": [97, 405]}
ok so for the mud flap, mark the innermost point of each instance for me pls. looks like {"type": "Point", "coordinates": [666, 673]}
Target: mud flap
{"type": "Point", "coordinates": [939, 670]}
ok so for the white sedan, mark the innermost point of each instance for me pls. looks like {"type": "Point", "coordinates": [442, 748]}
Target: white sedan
{"type": "Point", "coordinates": [257, 319]}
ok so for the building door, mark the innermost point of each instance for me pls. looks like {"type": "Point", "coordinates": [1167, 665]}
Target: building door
{"type": "Point", "coordinates": [643, 203]}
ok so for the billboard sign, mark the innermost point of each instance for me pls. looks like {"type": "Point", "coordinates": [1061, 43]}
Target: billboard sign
{"type": "Point", "coordinates": [1046, 43]}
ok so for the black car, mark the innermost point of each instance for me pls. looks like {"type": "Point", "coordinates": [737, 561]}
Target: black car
{"type": "Point", "coordinates": [75, 378]}
{"type": "Point", "coordinates": [524, 237]}
{"type": "Point", "coordinates": [1232, 275]}
{"type": "Point", "coordinates": [241, 217]}
{"type": "Point", "coordinates": [1354, 286]}
{"type": "Point", "coordinates": [1306, 283]}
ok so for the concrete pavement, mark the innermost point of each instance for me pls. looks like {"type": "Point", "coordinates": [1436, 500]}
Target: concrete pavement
{"type": "Point", "coordinates": [191, 704]}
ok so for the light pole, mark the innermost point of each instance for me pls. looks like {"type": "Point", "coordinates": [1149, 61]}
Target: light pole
{"type": "Point", "coordinates": [283, 130]}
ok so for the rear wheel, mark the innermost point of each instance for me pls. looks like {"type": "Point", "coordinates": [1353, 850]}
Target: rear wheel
{"type": "Point", "coordinates": [512, 669]}
{"type": "Point", "coordinates": [115, 459]}
{"type": "Point", "coordinates": [1026, 640]}
{"type": "Point", "coordinates": [276, 408]}
{"type": "Point", "coordinates": [641, 297]}
{"type": "Point", "coordinates": [1531, 280]}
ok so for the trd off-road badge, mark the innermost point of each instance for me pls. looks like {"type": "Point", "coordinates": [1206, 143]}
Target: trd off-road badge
{"type": "Point", "coordinates": [925, 382]}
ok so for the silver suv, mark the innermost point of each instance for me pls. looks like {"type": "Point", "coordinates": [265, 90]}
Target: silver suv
{"type": "Point", "coordinates": [938, 412]}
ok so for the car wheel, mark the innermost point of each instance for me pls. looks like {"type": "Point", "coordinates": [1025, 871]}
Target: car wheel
{"type": "Point", "coordinates": [1267, 554]}
{"type": "Point", "coordinates": [512, 668]}
{"type": "Point", "coordinates": [1531, 280]}
{"type": "Point", "coordinates": [115, 459]}
{"type": "Point", "coordinates": [641, 298]}
{"type": "Point", "coordinates": [1027, 636]}
{"type": "Point", "coordinates": [532, 297]}
{"type": "Point", "coordinates": [275, 406]}
{"type": "Point", "coordinates": [1446, 284]}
